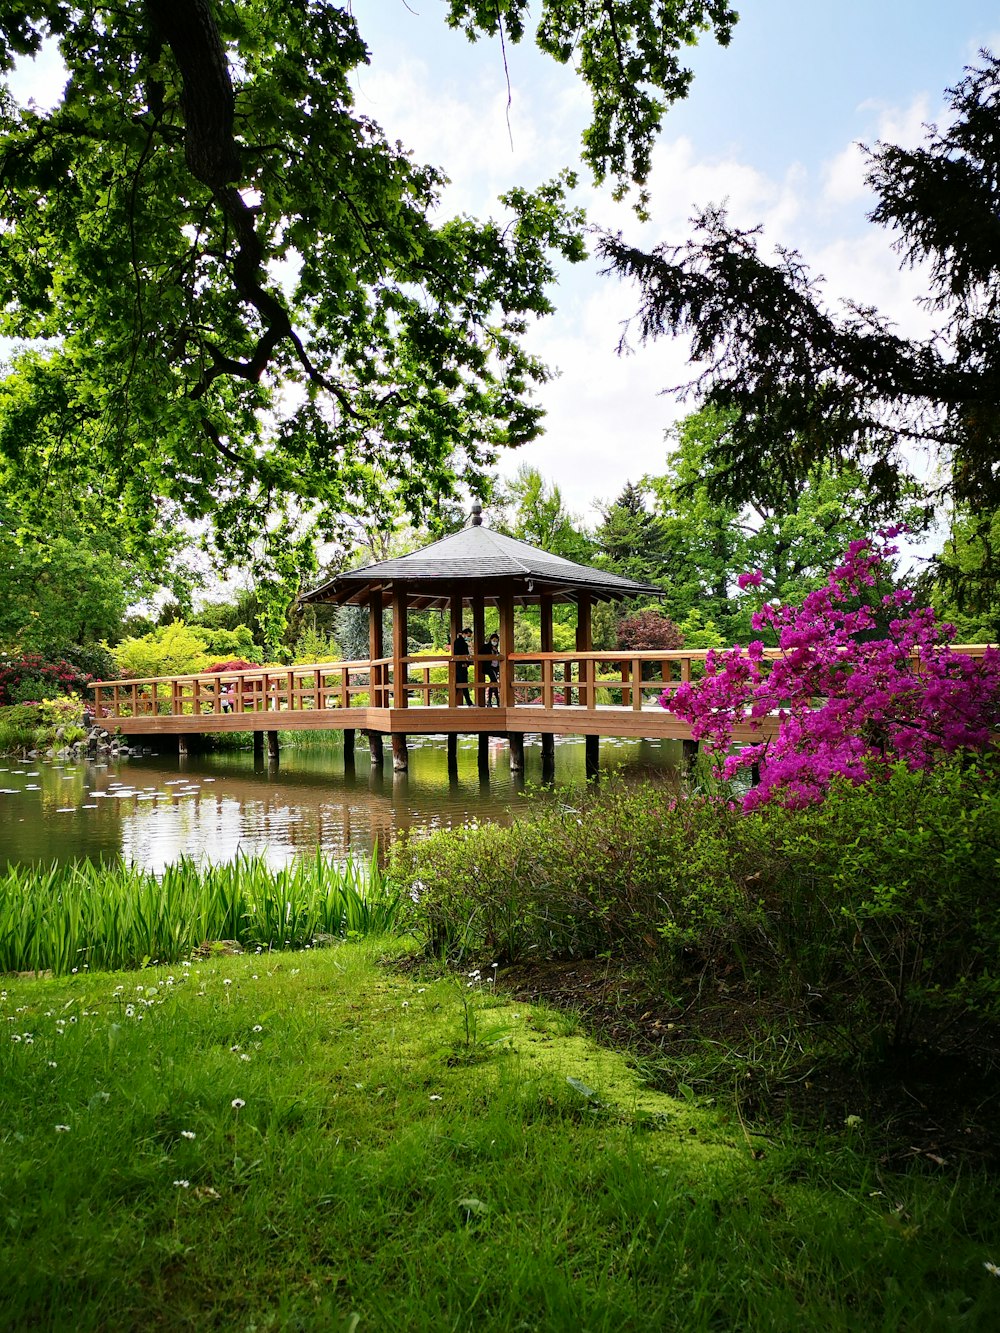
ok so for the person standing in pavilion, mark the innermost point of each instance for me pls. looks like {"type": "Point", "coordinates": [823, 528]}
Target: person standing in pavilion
{"type": "Point", "coordinates": [460, 652]}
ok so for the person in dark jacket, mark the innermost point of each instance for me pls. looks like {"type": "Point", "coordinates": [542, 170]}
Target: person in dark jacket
{"type": "Point", "coordinates": [491, 669]}
{"type": "Point", "coordinates": [460, 651]}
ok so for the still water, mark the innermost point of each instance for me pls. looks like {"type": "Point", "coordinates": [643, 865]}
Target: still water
{"type": "Point", "coordinates": [152, 811]}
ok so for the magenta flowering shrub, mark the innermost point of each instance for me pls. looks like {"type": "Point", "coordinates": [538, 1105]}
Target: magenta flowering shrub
{"type": "Point", "coordinates": [857, 687]}
{"type": "Point", "coordinates": [30, 677]}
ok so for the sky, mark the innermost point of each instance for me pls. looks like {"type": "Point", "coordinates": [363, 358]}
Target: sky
{"type": "Point", "coordinates": [770, 127]}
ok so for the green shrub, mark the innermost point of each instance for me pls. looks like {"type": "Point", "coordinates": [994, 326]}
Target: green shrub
{"type": "Point", "coordinates": [874, 918]}
{"type": "Point", "coordinates": [883, 902]}
{"type": "Point", "coordinates": [18, 723]}
{"type": "Point", "coordinates": [170, 650]}
{"type": "Point", "coordinates": [60, 712]}
{"type": "Point", "coordinates": [29, 677]}
{"type": "Point", "coordinates": [629, 869]}
{"type": "Point", "coordinates": [33, 691]}
{"type": "Point", "coordinates": [91, 659]}
{"type": "Point", "coordinates": [19, 716]}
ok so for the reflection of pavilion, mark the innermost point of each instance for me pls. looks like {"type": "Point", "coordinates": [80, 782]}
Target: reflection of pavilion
{"type": "Point", "coordinates": [473, 569]}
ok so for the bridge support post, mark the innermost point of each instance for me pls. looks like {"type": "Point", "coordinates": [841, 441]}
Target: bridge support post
{"type": "Point", "coordinates": [592, 756]}
{"type": "Point", "coordinates": [400, 755]}
{"type": "Point", "coordinates": [689, 752]}
{"type": "Point", "coordinates": [483, 754]}
{"type": "Point", "coordinates": [272, 747]}
{"type": "Point", "coordinates": [516, 741]}
{"type": "Point", "coordinates": [452, 754]}
{"type": "Point", "coordinates": [182, 746]}
{"type": "Point", "coordinates": [375, 748]}
{"type": "Point", "coordinates": [548, 756]}
{"type": "Point", "coordinates": [348, 749]}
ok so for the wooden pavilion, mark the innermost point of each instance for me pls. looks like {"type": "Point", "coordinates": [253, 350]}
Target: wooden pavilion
{"type": "Point", "coordinates": [465, 573]}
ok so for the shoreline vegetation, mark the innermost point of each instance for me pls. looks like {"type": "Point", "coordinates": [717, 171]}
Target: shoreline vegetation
{"type": "Point", "coordinates": [638, 1061]}
{"type": "Point", "coordinates": [69, 918]}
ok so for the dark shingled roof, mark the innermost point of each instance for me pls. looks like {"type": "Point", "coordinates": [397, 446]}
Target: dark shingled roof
{"type": "Point", "coordinates": [482, 562]}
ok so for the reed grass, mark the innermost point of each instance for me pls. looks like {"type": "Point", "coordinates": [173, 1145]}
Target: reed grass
{"type": "Point", "coordinates": [66, 918]}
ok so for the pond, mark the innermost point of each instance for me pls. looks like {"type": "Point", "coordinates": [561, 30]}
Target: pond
{"type": "Point", "coordinates": [212, 807]}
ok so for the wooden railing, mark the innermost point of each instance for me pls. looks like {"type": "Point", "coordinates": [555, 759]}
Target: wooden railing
{"type": "Point", "coordinates": [542, 680]}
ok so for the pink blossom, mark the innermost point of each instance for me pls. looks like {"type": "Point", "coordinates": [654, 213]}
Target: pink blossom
{"type": "Point", "coordinates": [846, 707]}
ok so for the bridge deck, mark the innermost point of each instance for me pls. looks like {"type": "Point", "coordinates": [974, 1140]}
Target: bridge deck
{"type": "Point", "coordinates": [604, 720]}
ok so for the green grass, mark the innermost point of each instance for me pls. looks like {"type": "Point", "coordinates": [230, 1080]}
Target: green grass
{"type": "Point", "coordinates": [308, 1141]}
{"type": "Point", "coordinates": [69, 917]}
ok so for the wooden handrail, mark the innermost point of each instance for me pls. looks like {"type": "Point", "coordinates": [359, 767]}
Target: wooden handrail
{"type": "Point", "coordinates": [322, 687]}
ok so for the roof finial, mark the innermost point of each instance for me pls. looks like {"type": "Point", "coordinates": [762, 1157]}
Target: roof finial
{"type": "Point", "coordinates": [477, 514]}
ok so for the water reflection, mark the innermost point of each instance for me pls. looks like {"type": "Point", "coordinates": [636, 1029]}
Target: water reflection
{"type": "Point", "coordinates": [211, 807]}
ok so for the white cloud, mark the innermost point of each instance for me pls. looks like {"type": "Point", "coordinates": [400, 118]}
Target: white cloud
{"type": "Point", "coordinates": [844, 177]}
{"type": "Point", "coordinates": [484, 145]}
{"type": "Point", "coordinates": [844, 174]}
{"type": "Point", "coordinates": [906, 126]}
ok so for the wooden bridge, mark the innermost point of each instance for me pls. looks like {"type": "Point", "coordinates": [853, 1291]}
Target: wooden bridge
{"type": "Point", "coordinates": [590, 694]}
{"type": "Point", "coordinates": [585, 692]}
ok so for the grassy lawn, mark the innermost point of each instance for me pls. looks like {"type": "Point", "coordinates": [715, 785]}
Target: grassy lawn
{"type": "Point", "coordinates": [309, 1140]}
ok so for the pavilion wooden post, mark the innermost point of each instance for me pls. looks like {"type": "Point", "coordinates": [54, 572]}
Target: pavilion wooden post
{"type": "Point", "coordinates": [548, 756]}
{"type": "Point", "coordinates": [567, 673]}
{"type": "Point", "coordinates": [585, 644]}
{"type": "Point", "coordinates": [478, 641]}
{"type": "Point", "coordinates": [376, 649]}
{"type": "Point", "coordinates": [505, 605]}
{"type": "Point", "coordinates": [400, 672]}
{"type": "Point", "coordinates": [400, 756]}
{"type": "Point", "coordinates": [515, 739]}
{"type": "Point", "coordinates": [375, 748]}
{"type": "Point", "coordinates": [545, 609]}
{"type": "Point", "coordinates": [548, 642]}
{"type": "Point", "coordinates": [457, 608]}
